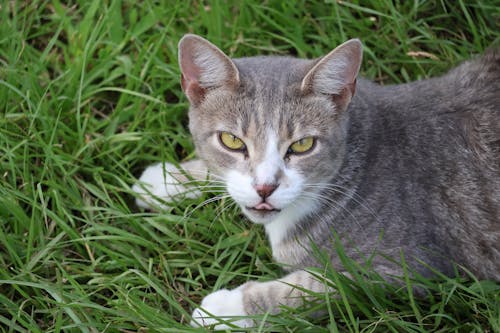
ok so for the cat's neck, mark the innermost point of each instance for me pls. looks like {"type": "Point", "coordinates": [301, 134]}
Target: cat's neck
{"type": "Point", "coordinates": [288, 220]}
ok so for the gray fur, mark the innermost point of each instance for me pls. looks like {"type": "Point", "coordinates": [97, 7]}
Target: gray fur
{"type": "Point", "coordinates": [423, 158]}
{"type": "Point", "coordinates": [418, 163]}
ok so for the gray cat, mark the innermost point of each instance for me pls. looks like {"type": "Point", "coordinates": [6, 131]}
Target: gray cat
{"type": "Point", "coordinates": [308, 150]}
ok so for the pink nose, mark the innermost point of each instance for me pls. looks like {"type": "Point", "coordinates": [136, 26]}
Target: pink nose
{"type": "Point", "coordinates": [265, 190]}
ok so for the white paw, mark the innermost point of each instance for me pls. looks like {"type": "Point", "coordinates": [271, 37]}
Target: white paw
{"type": "Point", "coordinates": [161, 184]}
{"type": "Point", "coordinates": [223, 305]}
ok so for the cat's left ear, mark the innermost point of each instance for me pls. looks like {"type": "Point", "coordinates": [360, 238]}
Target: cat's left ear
{"type": "Point", "coordinates": [335, 74]}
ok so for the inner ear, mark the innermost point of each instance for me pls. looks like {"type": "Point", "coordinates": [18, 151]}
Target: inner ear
{"type": "Point", "coordinates": [335, 74]}
{"type": "Point", "coordinates": [203, 67]}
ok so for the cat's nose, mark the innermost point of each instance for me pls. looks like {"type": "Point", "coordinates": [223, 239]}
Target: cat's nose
{"type": "Point", "coordinates": [265, 190]}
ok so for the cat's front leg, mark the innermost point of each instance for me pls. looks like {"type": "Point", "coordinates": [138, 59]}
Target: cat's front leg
{"type": "Point", "coordinates": [220, 306]}
{"type": "Point", "coordinates": [253, 298]}
{"type": "Point", "coordinates": [163, 183]}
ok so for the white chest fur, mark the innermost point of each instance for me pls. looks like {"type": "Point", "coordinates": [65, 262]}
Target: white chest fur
{"type": "Point", "coordinates": [280, 229]}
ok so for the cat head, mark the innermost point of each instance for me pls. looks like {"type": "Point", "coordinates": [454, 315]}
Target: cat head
{"type": "Point", "coordinates": [272, 128]}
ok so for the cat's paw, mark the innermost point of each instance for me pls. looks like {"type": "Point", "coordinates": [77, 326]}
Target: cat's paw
{"type": "Point", "coordinates": [223, 305]}
{"type": "Point", "coordinates": [161, 184]}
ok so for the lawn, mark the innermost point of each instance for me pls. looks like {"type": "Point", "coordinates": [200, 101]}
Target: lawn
{"type": "Point", "coordinates": [90, 95]}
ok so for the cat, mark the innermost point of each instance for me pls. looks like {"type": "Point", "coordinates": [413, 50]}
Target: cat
{"type": "Point", "coordinates": [309, 150]}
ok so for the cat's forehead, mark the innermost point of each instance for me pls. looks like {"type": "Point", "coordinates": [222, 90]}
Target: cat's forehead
{"type": "Point", "coordinates": [269, 99]}
{"type": "Point", "coordinates": [285, 116]}
{"type": "Point", "coordinates": [272, 75]}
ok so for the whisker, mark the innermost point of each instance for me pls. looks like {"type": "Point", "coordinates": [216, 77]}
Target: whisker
{"type": "Point", "coordinates": [330, 202]}
{"type": "Point", "coordinates": [225, 208]}
{"type": "Point", "coordinates": [206, 202]}
{"type": "Point", "coordinates": [192, 172]}
{"type": "Point", "coordinates": [345, 191]}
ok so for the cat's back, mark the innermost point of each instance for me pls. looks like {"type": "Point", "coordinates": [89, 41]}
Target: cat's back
{"type": "Point", "coordinates": [438, 142]}
{"type": "Point", "coordinates": [474, 90]}
{"type": "Point", "coordinates": [463, 105]}
{"type": "Point", "coordinates": [476, 84]}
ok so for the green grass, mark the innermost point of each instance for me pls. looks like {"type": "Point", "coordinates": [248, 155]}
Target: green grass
{"type": "Point", "coordinates": [89, 95]}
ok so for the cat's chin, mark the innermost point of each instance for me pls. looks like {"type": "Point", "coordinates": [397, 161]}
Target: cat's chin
{"type": "Point", "coordinates": [261, 216]}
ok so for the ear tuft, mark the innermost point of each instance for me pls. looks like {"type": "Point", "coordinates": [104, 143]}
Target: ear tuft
{"type": "Point", "coordinates": [203, 67]}
{"type": "Point", "coordinates": [335, 74]}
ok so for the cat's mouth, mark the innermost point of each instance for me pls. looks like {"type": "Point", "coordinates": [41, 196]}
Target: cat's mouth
{"type": "Point", "coordinates": [261, 213]}
{"type": "Point", "coordinates": [263, 207]}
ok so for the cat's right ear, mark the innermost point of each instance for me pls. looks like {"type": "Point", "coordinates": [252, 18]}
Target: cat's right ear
{"type": "Point", "coordinates": [204, 67]}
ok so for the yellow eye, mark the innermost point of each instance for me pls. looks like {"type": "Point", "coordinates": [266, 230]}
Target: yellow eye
{"type": "Point", "coordinates": [302, 146]}
{"type": "Point", "coordinates": [231, 141]}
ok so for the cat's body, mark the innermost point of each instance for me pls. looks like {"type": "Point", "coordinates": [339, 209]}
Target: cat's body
{"type": "Point", "coordinates": [425, 171]}
{"type": "Point", "coordinates": [412, 168]}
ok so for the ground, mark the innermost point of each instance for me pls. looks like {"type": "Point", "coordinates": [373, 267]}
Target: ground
{"type": "Point", "coordinates": [90, 95]}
